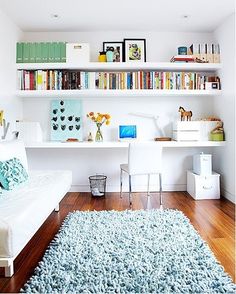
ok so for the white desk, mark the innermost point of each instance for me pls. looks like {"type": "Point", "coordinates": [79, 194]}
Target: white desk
{"type": "Point", "coordinates": [87, 158]}
{"type": "Point", "coordinates": [115, 144]}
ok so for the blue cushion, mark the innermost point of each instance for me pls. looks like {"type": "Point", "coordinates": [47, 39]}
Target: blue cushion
{"type": "Point", "coordinates": [12, 173]}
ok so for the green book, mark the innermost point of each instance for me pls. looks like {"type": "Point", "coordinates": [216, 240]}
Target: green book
{"type": "Point", "coordinates": [57, 52]}
{"type": "Point", "coordinates": [32, 50]}
{"type": "Point", "coordinates": [19, 52]}
{"type": "Point", "coordinates": [63, 51]}
{"type": "Point", "coordinates": [45, 52]}
{"type": "Point", "coordinates": [38, 50]}
{"type": "Point", "coordinates": [26, 52]}
{"type": "Point", "coordinates": [51, 52]}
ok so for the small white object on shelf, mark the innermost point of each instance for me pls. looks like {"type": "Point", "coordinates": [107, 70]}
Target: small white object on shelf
{"type": "Point", "coordinates": [77, 53]}
{"type": "Point", "coordinates": [198, 130]}
{"type": "Point", "coordinates": [29, 131]}
{"type": "Point", "coordinates": [205, 129]}
{"type": "Point", "coordinates": [203, 187]}
{"type": "Point", "coordinates": [202, 164]}
{"type": "Point", "coordinates": [186, 131]}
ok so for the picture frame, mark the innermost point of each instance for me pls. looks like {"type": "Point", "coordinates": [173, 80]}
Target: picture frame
{"type": "Point", "coordinates": [135, 50]}
{"type": "Point", "coordinates": [118, 50]}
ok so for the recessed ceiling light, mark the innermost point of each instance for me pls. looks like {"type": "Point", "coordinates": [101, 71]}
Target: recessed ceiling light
{"type": "Point", "coordinates": [185, 16]}
{"type": "Point", "coordinates": [55, 15]}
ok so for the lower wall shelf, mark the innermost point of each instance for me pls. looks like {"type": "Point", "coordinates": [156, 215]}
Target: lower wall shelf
{"type": "Point", "coordinates": [115, 144]}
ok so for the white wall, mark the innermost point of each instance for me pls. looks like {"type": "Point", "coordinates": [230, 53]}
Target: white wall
{"type": "Point", "coordinates": [224, 107]}
{"type": "Point", "coordinates": [12, 106]}
{"type": "Point", "coordinates": [160, 47]}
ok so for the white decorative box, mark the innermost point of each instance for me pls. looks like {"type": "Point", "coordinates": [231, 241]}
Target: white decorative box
{"type": "Point", "coordinates": [77, 53]}
{"type": "Point", "coordinates": [186, 131]}
{"type": "Point", "coordinates": [29, 131]}
{"type": "Point", "coordinates": [205, 129]}
{"type": "Point", "coordinates": [202, 164]}
{"type": "Point", "coordinates": [203, 187]}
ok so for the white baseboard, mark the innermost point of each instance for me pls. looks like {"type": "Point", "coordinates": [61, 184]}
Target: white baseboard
{"type": "Point", "coordinates": [228, 195]}
{"type": "Point", "coordinates": [116, 188]}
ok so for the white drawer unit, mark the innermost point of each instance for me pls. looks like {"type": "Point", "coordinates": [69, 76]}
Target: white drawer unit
{"type": "Point", "coordinates": [186, 131]}
{"type": "Point", "coordinates": [203, 187]}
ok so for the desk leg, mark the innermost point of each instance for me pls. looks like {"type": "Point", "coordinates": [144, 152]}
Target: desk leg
{"type": "Point", "coordinates": [121, 182]}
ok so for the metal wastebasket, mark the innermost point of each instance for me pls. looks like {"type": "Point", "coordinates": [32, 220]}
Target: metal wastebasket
{"type": "Point", "coordinates": [98, 185]}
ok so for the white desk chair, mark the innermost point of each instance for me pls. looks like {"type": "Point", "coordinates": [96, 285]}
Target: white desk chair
{"type": "Point", "coordinates": [144, 158]}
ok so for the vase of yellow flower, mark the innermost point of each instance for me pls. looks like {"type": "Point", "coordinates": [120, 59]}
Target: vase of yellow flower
{"type": "Point", "coordinates": [99, 119]}
{"type": "Point", "coordinates": [98, 137]}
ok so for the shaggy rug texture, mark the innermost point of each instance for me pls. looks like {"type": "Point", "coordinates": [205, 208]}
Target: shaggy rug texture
{"type": "Point", "coordinates": [128, 252]}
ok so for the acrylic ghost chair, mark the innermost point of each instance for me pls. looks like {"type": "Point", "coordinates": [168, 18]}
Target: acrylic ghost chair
{"type": "Point", "coordinates": [144, 158]}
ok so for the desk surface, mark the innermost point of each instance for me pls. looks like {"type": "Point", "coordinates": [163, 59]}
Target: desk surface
{"type": "Point", "coordinates": [115, 144]}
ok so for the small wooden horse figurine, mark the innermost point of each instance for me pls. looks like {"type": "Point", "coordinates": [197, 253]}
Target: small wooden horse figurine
{"type": "Point", "coordinates": [185, 114]}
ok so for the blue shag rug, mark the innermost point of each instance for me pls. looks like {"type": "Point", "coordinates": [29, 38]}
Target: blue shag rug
{"type": "Point", "coordinates": [128, 252]}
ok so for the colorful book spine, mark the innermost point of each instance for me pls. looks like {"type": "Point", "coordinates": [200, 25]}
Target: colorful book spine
{"type": "Point", "coordinates": [75, 80]}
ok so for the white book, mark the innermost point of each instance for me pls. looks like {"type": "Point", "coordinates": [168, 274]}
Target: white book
{"type": "Point", "coordinates": [92, 80]}
{"type": "Point", "coordinates": [27, 80]}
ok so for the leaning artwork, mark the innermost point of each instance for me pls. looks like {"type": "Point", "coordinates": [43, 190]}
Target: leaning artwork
{"type": "Point", "coordinates": [66, 120]}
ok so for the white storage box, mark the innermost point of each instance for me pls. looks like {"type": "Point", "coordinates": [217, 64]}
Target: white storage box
{"type": "Point", "coordinates": [29, 131]}
{"type": "Point", "coordinates": [205, 129]}
{"type": "Point", "coordinates": [186, 131]}
{"type": "Point", "coordinates": [203, 187]}
{"type": "Point", "coordinates": [77, 53]}
{"type": "Point", "coordinates": [202, 164]}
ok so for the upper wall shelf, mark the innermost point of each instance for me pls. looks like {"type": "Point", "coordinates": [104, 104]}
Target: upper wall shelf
{"type": "Point", "coordinates": [110, 93]}
{"type": "Point", "coordinates": [125, 66]}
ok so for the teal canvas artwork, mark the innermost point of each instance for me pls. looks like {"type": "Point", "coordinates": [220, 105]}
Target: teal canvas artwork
{"type": "Point", "coordinates": [66, 120]}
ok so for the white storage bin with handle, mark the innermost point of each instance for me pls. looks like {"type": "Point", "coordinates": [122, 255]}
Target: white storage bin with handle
{"type": "Point", "coordinates": [202, 164]}
{"type": "Point", "coordinates": [203, 187]}
{"type": "Point", "coordinates": [77, 53]}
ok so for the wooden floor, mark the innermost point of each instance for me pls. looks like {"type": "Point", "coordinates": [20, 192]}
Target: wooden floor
{"type": "Point", "coordinates": [213, 219]}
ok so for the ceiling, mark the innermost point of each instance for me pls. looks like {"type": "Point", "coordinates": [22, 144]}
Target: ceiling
{"type": "Point", "coordinates": [123, 15]}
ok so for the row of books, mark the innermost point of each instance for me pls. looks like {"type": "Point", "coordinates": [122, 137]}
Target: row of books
{"type": "Point", "coordinates": [71, 80]}
{"type": "Point", "coordinates": [40, 52]}
{"type": "Point", "coordinates": [206, 52]}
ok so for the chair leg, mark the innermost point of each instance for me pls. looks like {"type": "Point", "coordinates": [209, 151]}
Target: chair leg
{"type": "Point", "coordinates": [130, 192]}
{"type": "Point", "coordinates": [160, 183]}
{"type": "Point", "coordinates": [148, 190]}
{"type": "Point", "coordinates": [121, 182]}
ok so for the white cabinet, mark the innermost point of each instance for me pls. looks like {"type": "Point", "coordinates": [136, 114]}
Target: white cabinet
{"type": "Point", "coordinates": [203, 187]}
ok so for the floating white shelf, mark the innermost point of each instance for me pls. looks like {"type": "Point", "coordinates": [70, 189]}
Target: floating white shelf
{"type": "Point", "coordinates": [112, 93]}
{"type": "Point", "coordinates": [125, 66]}
{"type": "Point", "coordinates": [116, 144]}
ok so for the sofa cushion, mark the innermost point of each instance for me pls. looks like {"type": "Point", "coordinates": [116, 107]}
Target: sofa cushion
{"type": "Point", "coordinates": [13, 148]}
{"type": "Point", "coordinates": [12, 173]}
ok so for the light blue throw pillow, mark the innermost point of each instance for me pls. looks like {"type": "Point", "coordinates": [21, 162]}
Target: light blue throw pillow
{"type": "Point", "coordinates": [12, 173]}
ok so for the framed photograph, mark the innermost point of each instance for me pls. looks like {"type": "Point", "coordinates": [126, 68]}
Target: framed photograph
{"type": "Point", "coordinates": [135, 50]}
{"type": "Point", "coordinates": [118, 49]}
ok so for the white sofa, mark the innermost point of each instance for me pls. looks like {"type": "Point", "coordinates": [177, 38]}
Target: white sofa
{"type": "Point", "coordinates": [24, 209]}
